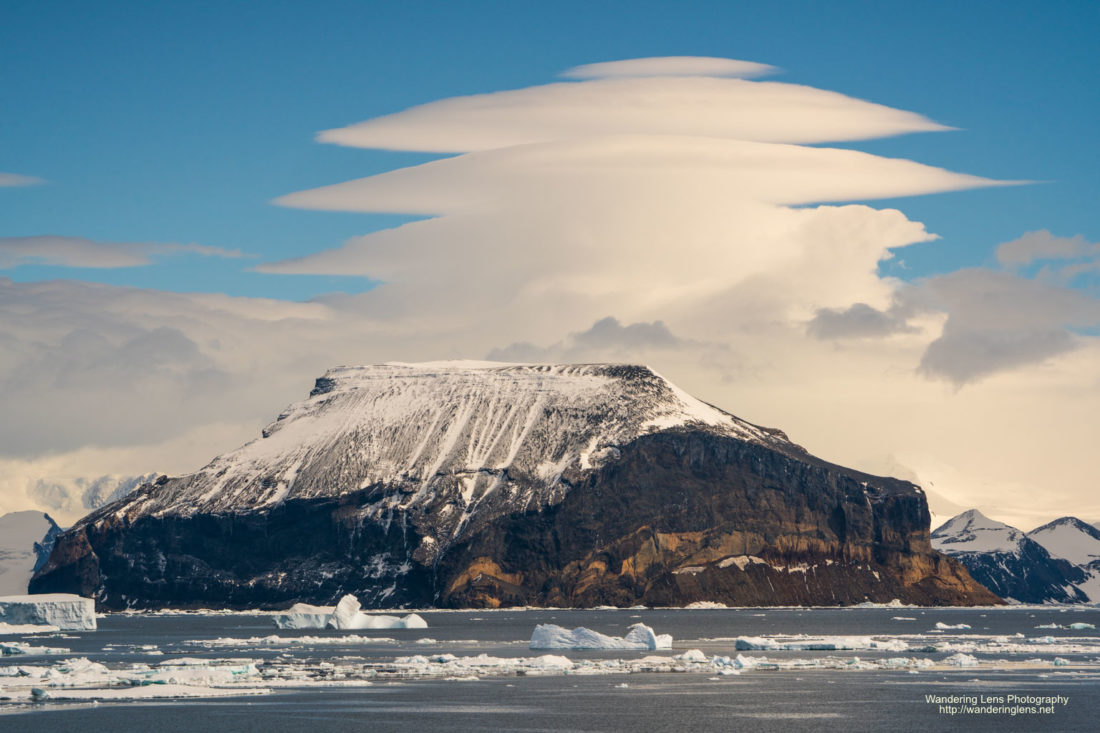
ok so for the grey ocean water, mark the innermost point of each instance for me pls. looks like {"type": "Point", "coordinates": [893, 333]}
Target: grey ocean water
{"type": "Point", "coordinates": [804, 699]}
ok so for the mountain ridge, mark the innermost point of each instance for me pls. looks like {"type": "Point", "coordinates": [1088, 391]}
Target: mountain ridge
{"type": "Point", "coordinates": [1048, 564]}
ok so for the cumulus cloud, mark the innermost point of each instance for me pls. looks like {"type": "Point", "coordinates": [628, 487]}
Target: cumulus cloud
{"type": "Point", "coordinates": [15, 180]}
{"type": "Point", "coordinates": [670, 66]}
{"type": "Point", "coordinates": [81, 252]}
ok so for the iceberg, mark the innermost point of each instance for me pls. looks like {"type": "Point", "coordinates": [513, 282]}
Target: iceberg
{"type": "Point", "coordinates": [344, 615]}
{"type": "Point", "coordinates": [640, 637]}
{"type": "Point", "coordinates": [304, 616]}
{"type": "Point", "coordinates": [63, 611]}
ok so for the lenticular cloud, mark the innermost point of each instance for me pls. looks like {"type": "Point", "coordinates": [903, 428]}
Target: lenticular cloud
{"type": "Point", "coordinates": [652, 189]}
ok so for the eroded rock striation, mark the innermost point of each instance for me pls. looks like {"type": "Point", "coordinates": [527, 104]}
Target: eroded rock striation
{"type": "Point", "coordinates": [481, 484]}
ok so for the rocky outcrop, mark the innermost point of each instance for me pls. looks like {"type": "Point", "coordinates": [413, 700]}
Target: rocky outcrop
{"type": "Point", "coordinates": [576, 502]}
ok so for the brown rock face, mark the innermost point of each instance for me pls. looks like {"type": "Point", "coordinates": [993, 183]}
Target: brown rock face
{"type": "Point", "coordinates": [712, 519]}
{"type": "Point", "coordinates": [679, 516]}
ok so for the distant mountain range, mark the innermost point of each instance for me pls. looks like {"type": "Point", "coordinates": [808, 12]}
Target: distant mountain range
{"type": "Point", "coordinates": [1058, 562]}
{"type": "Point", "coordinates": [77, 496]}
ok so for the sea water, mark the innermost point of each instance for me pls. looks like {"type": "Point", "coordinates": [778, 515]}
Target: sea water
{"type": "Point", "coordinates": [325, 680]}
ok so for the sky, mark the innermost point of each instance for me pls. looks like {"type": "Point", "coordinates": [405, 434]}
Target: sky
{"type": "Point", "coordinates": [870, 225]}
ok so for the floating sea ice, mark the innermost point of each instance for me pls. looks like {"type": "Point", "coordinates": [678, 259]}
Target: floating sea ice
{"type": "Point", "coordinates": [699, 605]}
{"type": "Point", "coordinates": [945, 627]}
{"type": "Point", "coordinates": [895, 603]}
{"type": "Point", "coordinates": [693, 655]}
{"type": "Point", "coordinates": [818, 643]}
{"type": "Point", "coordinates": [961, 660]}
{"type": "Point", "coordinates": [640, 637]}
{"type": "Point", "coordinates": [1080, 626]}
{"type": "Point", "coordinates": [63, 611]}
{"type": "Point", "coordinates": [12, 648]}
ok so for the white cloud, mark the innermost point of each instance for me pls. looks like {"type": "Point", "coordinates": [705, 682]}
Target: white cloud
{"type": "Point", "coordinates": [695, 106]}
{"type": "Point", "coordinates": [670, 66]}
{"type": "Point", "coordinates": [81, 252]}
{"type": "Point", "coordinates": [15, 180]}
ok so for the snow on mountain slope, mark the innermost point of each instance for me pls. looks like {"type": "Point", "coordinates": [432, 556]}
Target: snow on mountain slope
{"type": "Point", "coordinates": [1070, 539]}
{"type": "Point", "coordinates": [972, 531]}
{"type": "Point", "coordinates": [22, 535]}
{"type": "Point", "coordinates": [1023, 567]}
{"type": "Point", "coordinates": [463, 430]}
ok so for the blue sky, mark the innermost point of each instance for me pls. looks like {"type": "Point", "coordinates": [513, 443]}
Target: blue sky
{"type": "Point", "coordinates": [179, 122]}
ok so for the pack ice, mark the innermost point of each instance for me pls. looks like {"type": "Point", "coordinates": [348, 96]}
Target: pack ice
{"type": "Point", "coordinates": [64, 611]}
{"type": "Point", "coordinates": [640, 637]}
{"type": "Point", "coordinates": [344, 615]}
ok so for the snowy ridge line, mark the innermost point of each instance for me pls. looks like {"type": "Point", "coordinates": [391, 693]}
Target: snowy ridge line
{"type": "Point", "coordinates": [459, 430]}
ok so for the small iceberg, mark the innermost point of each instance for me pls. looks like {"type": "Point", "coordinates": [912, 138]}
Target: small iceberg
{"type": "Point", "coordinates": [640, 637]}
{"type": "Point", "coordinates": [945, 627]}
{"type": "Point", "coordinates": [344, 615]}
{"type": "Point", "coordinates": [47, 612]}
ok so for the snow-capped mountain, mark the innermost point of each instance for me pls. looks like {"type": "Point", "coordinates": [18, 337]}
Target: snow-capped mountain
{"type": "Point", "coordinates": [1070, 539]}
{"type": "Point", "coordinates": [26, 539]}
{"type": "Point", "coordinates": [71, 498]}
{"type": "Point", "coordinates": [1075, 541]}
{"type": "Point", "coordinates": [474, 483]}
{"type": "Point", "coordinates": [1012, 564]}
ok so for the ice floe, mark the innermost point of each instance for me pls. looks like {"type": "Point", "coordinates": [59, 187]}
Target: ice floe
{"type": "Point", "coordinates": [13, 648]}
{"type": "Point", "coordinates": [11, 629]}
{"type": "Point", "coordinates": [819, 643]}
{"type": "Point", "coordinates": [640, 637]}
{"type": "Point", "coordinates": [63, 611]}
{"type": "Point", "coordinates": [82, 679]}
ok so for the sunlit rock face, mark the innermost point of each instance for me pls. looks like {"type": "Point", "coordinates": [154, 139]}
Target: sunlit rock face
{"type": "Point", "coordinates": [486, 484]}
